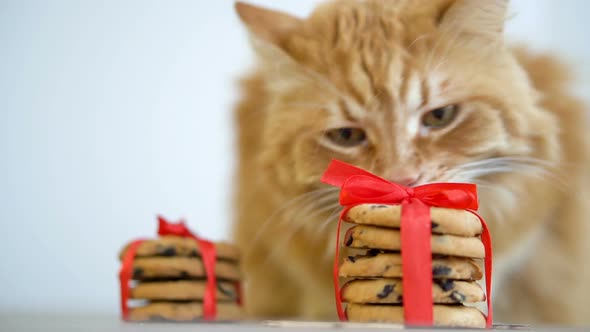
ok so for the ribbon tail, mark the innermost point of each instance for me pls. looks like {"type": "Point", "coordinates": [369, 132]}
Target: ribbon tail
{"type": "Point", "coordinates": [125, 275]}
{"type": "Point", "coordinates": [486, 239]}
{"type": "Point", "coordinates": [240, 294]}
{"type": "Point", "coordinates": [335, 272]}
{"type": "Point", "coordinates": [416, 263]}
{"type": "Point", "coordinates": [209, 257]}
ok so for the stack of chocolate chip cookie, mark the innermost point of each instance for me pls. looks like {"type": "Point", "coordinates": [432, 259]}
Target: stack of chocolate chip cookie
{"type": "Point", "coordinates": [374, 290]}
{"type": "Point", "coordinates": [170, 279]}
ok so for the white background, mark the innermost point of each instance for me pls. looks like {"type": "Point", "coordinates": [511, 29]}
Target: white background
{"type": "Point", "coordinates": [113, 111]}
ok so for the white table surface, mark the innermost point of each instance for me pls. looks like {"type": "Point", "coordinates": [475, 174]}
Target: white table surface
{"type": "Point", "coordinates": [97, 322]}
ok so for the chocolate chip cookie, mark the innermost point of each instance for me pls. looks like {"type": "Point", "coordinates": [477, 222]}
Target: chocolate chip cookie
{"type": "Point", "coordinates": [150, 268]}
{"type": "Point", "coordinates": [182, 311]}
{"type": "Point", "coordinates": [382, 264]}
{"type": "Point", "coordinates": [373, 237]}
{"type": "Point", "coordinates": [444, 221]}
{"type": "Point", "coordinates": [180, 246]}
{"type": "Point", "coordinates": [389, 290]}
{"type": "Point", "coordinates": [444, 315]}
{"type": "Point", "coordinates": [182, 290]}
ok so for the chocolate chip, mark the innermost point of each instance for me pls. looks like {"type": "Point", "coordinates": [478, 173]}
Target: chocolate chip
{"type": "Point", "coordinates": [433, 225]}
{"type": "Point", "coordinates": [386, 268]}
{"type": "Point", "coordinates": [373, 207]}
{"type": "Point", "coordinates": [348, 240]}
{"type": "Point", "coordinates": [169, 251]}
{"type": "Point", "coordinates": [194, 252]}
{"type": "Point", "coordinates": [137, 273]}
{"type": "Point", "coordinates": [457, 296]}
{"type": "Point", "coordinates": [227, 292]}
{"type": "Point", "coordinates": [441, 271]}
{"type": "Point", "coordinates": [387, 289]}
{"type": "Point", "coordinates": [439, 256]}
{"type": "Point", "coordinates": [400, 298]}
{"type": "Point", "coordinates": [373, 252]}
{"type": "Point", "coordinates": [351, 259]}
{"type": "Point", "coordinates": [446, 284]}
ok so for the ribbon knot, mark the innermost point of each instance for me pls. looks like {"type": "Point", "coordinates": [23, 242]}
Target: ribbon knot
{"type": "Point", "coordinates": [410, 192]}
{"type": "Point", "coordinates": [360, 187]}
{"type": "Point", "coordinates": [363, 187]}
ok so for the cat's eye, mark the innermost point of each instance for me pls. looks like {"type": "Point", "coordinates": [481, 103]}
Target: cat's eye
{"type": "Point", "coordinates": [440, 117]}
{"type": "Point", "coordinates": [346, 137]}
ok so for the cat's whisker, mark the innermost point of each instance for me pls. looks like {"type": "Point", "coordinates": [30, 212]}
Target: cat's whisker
{"type": "Point", "coordinates": [534, 167]}
{"type": "Point", "coordinates": [538, 169]}
{"type": "Point", "coordinates": [530, 171]}
{"type": "Point", "coordinates": [497, 191]}
{"type": "Point", "coordinates": [332, 219]}
{"type": "Point", "coordinates": [302, 215]}
{"type": "Point", "coordinates": [498, 216]}
{"type": "Point", "coordinates": [475, 172]}
{"type": "Point", "coordinates": [299, 226]}
{"type": "Point", "coordinates": [510, 160]}
{"type": "Point", "coordinates": [416, 40]}
{"type": "Point", "coordinates": [299, 217]}
{"type": "Point", "coordinates": [307, 197]}
{"type": "Point", "coordinates": [318, 230]}
{"type": "Point", "coordinates": [528, 165]}
{"type": "Point", "coordinates": [301, 205]}
{"type": "Point", "coordinates": [309, 216]}
{"type": "Point", "coordinates": [329, 220]}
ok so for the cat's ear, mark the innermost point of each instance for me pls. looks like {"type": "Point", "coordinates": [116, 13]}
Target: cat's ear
{"type": "Point", "coordinates": [270, 26]}
{"type": "Point", "coordinates": [269, 30]}
{"type": "Point", "coordinates": [480, 19]}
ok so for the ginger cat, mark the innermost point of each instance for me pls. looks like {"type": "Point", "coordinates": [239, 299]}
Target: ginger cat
{"type": "Point", "coordinates": [415, 91]}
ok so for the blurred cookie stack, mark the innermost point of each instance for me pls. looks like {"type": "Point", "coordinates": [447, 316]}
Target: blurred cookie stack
{"type": "Point", "coordinates": [170, 281]}
{"type": "Point", "coordinates": [373, 290]}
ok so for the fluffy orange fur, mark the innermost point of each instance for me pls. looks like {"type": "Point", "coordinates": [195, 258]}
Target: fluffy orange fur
{"type": "Point", "coordinates": [380, 66]}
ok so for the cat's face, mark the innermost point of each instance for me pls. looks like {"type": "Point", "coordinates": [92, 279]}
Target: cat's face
{"type": "Point", "coordinates": [414, 91]}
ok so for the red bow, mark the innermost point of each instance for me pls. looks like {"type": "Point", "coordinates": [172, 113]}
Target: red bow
{"type": "Point", "coordinates": [208, 256]}
{"type": "Point", "coordinates": [359, 187]}
{"type": "Point", "coordinates": [178, 229]}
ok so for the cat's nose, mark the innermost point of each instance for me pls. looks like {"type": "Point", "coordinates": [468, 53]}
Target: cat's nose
{"type": "Point", "coordinates": [407, 181]}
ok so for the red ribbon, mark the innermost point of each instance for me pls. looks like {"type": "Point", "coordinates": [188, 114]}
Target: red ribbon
{"type": "Point", "coordinates": [208, 256]}
{"type": "Point", "coordinates": [125, 275]}
{"type": "Point", "coordinates": [359, 187]}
